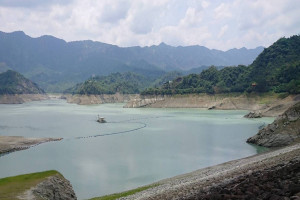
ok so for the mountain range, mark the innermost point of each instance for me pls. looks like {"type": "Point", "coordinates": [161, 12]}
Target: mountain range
{"type": "Point", "coordinates": [56, 65]}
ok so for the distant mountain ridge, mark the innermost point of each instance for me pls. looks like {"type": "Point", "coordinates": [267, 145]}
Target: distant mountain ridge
{"type": "Point", "coordinates": [57, 65]}
{"type": "Point", "coordinates": [12, 82]}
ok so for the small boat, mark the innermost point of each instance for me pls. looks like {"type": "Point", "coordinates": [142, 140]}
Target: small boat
{"type": "Point", "coordinates": [101, 120]}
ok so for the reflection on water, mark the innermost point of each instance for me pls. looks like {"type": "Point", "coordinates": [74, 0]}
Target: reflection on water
{"type": "Point", "coordinates": [136, 147]}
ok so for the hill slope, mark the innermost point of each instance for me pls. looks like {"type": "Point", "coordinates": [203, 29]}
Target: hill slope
{"type": "Point", "coordinates": [124, 83]}
{"type": "Point", "coordinates": [57, 65]}
{"type": "Point", "coordinates": [276, 69]}
{"type": "Point", "coordinates": [12, 82]}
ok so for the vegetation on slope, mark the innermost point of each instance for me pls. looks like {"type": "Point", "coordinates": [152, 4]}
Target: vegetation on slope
{"type": "Point", "coordinates": [276, 69]}
{"type": "Point", "coordinates": [12, 82]}
{"type": "Point", "coordinates": [12, 187]}
{"type": "Point", "coordinates": [124, 83]}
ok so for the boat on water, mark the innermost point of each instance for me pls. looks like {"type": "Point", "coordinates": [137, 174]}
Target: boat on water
{"type": "Point", "coordinates": [101, 119]}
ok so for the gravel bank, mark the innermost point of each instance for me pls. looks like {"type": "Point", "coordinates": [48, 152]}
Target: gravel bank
{"type": "Point", "coordinates": [16, 143]}
{"type": "Point", "coordinates": [215, 182]}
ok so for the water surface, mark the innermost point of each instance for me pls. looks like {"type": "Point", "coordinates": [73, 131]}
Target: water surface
{"type": "Point", "coordinates": [136, 146]}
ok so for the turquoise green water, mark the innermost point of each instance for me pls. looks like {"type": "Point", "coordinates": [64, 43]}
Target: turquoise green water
{"type": "Point", "coordinates": [136, 146]}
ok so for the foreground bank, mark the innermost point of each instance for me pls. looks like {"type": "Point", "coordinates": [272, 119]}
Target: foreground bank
{"type": "Point", "coordinates": [268, 175]}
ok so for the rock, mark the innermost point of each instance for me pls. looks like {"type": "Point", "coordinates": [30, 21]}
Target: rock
{"type": "Point", "coordinates": [212, 107]}
{"type": "Point", "coordinates": [253, 114]}
{"type": "Point", "coordinates": [283, 131]}
{"type": "Point", "coordinates": [54, 188]}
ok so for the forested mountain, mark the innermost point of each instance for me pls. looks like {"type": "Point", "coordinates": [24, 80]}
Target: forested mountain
{"type": "Point", "coordinates": [12, 82]}
{"type": "Point", "coordinates": [124, 83]}
{"type": "Point", "coordinates": [56, 65]}
{"type": "Point", "coordinates": [276, 69]}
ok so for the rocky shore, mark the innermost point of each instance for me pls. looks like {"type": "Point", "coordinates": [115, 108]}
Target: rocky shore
{"type": "Point", "coordinates": [21, 98]}
{"type": "Point", "coordinates": [283, 131]}
{"type": "Point", "coordinates": [10, 144]}
{"type": "Point", "coordinates": [271, 175]}
{"type": "Point", "coordinates": [266, 105]}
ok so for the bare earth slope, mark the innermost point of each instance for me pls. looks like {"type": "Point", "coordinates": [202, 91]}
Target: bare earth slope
{"type": "Point", "coordinates": [268, 105]}
{"type": "Point", "coordinates": [98, 99]}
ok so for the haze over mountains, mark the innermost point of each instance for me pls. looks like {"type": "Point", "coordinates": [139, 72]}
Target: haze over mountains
{"type": "Point", "coordinates": [57, 65]}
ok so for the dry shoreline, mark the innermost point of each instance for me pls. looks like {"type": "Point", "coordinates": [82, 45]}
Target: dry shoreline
{"type": "Point", "coordinates": [201, 182]}
{"type": "Point", "coordinates": [98, 99]}
{"type": "Point", "coordinates": [21, 98]}
{"type": "Point", "coordinates": [270, 105]}
{"type": "Point", "coordinates": [10, 144]}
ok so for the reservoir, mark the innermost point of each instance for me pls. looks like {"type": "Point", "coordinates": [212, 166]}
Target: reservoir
{"type": "Point", "coordinates": [137, 146]}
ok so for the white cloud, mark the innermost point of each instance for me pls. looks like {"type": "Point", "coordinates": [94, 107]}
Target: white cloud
{"type": "Point", "coordinates": [205, 4]}
{"type": "Point", "coordinates": [223, 11]}
{"type": "Point", "coordinates": [250, 23]}
{"type": "Point", "coordinates": [223, 31]}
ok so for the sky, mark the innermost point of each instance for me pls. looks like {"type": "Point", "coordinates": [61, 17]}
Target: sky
{"type": "Point", "coordinates": [215, 24]}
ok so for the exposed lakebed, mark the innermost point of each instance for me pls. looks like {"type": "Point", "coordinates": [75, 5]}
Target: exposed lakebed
{"type": "Point", "coordinates": [136, 146]}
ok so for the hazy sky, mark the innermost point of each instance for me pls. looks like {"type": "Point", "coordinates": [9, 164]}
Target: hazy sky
{"type": "Point", "coordinates": [214, 24]}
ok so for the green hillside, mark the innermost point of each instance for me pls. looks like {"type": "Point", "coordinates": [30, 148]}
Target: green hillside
{"type": "Point", "coordinates": [276, 69]}
{"type": "Point", "coordinates": [12, 82]}
{"type": "Point", "coordinates": [124, 83]}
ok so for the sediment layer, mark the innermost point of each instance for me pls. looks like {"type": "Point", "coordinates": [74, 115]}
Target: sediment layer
{"type": "Point", "coordinates": [21, 98]}
{"type": "Point", "coordinates": [99, 99]}
{"type": "Point", "coordinates": [268, 105]}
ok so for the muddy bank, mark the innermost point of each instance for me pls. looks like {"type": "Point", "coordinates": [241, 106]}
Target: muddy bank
{"type": "Point", "coordinates": [99, 99]}
{"type": "Point", "coordinates": [267, 105]}
{"type": "Point", "coordinates": [16, 143]}
{"type": "Point", "coordinates": [21, 98]}
{"type": "Point", "coordinates": [239, 179]}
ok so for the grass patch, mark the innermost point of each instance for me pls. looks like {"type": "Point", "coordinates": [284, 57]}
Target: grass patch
{"type": "Point", "coordinates": [11, 187]}
{"type": "Point", "coordinates": [124, 194]}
